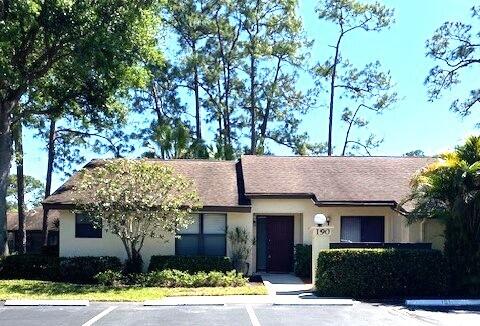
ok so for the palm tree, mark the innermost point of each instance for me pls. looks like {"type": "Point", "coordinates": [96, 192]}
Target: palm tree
{"type": "Point", "coordinates": [449, 190]}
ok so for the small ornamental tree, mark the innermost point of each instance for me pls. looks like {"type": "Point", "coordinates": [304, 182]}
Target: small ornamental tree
{"type": "Point", "coordinates": [135, 199]}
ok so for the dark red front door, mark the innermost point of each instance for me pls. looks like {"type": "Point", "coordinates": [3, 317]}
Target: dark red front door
{"type": "Point", "coordinates": [280, 244]}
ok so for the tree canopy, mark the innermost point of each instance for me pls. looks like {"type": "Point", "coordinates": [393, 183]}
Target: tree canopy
{"type": "Point", "coordinates": [89, 45]}
{"type": "Point", "coordinates": [455, 47]}
{"type": "Point", "coordinates": [33, 192]}
{"type": "Point", "coordinates": [449, 190]}
{"type": "Point", "coordinates": [363, 90]}
{"type": "Point", "coordinates": [150, 199]}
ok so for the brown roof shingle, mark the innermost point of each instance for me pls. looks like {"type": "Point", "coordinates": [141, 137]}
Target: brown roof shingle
{"type": "Point", "coordinates": [33, 220]}
{"type": "Point", "coordinates": [216, 182]}
{"type": "Point", "coordinates": [332, 178]}
{"type": "Point", "coordinates": [227, 184]}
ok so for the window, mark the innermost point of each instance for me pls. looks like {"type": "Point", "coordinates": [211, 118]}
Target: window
{"type": "Point", "coordinates": [205, 237]}
{"type": "Point", "coordinates": [84, 228]}
{"type": "Point", "coordinates": [362, 229]}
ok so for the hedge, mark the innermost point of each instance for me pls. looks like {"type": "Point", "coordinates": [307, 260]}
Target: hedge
{"type": "Point", "coordinates": [380, 273]}
{"type": "Point", "coordinates": [31, 267]}
{"type": "Point", "coordinates": [83, 269]}
{"type": "Point", "coordinates": [48, 268]}
{"type": "Point", "coordinates": [172, 278]}
{"type": "Point", "coordinates": [303, 260]}
{"type": "Point", "coordinates": [191, 264]}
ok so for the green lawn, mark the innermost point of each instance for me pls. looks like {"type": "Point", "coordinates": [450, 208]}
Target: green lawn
{"type": "Point", "coordinates": [27, 289]}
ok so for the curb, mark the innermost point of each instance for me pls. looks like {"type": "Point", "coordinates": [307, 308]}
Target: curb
{"type": "Point", "coordinates": [265, 300]}
{"type": "Point", "coordinates": [443, 302]}
{"type": "Point", "coordinates": [314, 302]}
{"type": "Point", "coordinates": [36, 303]}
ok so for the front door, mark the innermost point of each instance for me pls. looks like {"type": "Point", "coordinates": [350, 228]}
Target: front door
{"type": "Point", "coordinates": [278, 244]}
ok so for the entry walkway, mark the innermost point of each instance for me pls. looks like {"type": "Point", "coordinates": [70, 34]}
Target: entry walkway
{"type": "Point", "coordinates": [286, 284]}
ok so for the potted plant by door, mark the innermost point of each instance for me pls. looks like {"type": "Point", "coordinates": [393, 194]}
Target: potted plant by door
{"type": "Point", "coordinates": [241, 245]}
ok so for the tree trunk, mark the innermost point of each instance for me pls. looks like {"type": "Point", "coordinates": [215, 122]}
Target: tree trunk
{"type": "Point", "coordinates": [22, 235]}
{"type": "Point", "coordinates": [350, 124]}
{"type": "Point", "coordinates": [48, 181]}
{"type": "Point", "coordinates": [198, 120]}
{"type": "Point", "coordinates": [253, 140]}
{"type": "Point", "coordinates": [332, 95]}
{"type": "Point", "coordinates": [5, 160]}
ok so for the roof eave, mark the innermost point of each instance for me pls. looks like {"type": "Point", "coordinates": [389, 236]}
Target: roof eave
{"type": "Point", "coordinates": [206, 208]}
{"type": "Point", "coordinates": [281, 196]}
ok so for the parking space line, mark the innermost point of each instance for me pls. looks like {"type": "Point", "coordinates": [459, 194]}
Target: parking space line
{"type": "Point", "coordinates": [251, 314]}
{"type": "Point", "coordinates": [99, 316]}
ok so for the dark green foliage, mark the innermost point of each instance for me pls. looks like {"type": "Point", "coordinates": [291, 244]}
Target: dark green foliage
{"type": "Point", "coordinates": [448, 191]}
{"type": "Point", "coordinates": [48, 268]}
{"type": "Point", "coordinates": [303, 260]}
{"type": "Point", "coordinates": [134, 265]}
{"type": "Point", "coordinates": [463, 257]}
{"type": "Point", "coordinates": [191, 264]}
{"type": "Point", "coordinates": [111, 278]}
{"type": "Point", "coordinates": [380, 273]}
{"type": "Point", "coordinates": [31, 267]}
{"type": "Point", "coordinates": [172, 278]}
{"type": "Point", "coordinates": [83, 269]}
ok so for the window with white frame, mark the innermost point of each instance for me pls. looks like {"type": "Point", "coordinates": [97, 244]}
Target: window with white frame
{"type": "Point", "coordinates": [205, 237]}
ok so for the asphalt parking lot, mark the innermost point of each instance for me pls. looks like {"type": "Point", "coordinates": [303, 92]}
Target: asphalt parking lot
{"type": "Point", "coordinates": [136, 314]}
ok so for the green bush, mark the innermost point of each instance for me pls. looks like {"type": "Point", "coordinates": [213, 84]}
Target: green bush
{"type": "Point", "coordinates": [111, 278]}
{"type": "Point", "coordinates": [83, 269]}
{"type": "Point", "coordinates": [48, 268]}
{"type": "Point", "coordinates": [176, 278]}
{"type": "Point", "coordinates": [380, 273]}
{"type": "Point", "coordinates": [172, 278]}
{"type": "Point", "coordinates": [191, 264]}
{"type": "Point", "coordinates": [31, 267]}
{"type": "Point", "coordinates": [303, 260]}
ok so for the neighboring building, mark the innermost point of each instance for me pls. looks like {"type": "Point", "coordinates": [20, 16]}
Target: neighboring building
{"type": "Point", "coordinates": [33, 227]}
{"type": "Point", "coordinates": [275, 199]}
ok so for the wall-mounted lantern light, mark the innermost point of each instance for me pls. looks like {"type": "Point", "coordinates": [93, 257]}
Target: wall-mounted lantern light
{"type": "Point", "coordinates": [320, 219]}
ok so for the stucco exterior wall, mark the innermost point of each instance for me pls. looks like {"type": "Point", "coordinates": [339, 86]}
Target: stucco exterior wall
{"type": "Point", "coordinates": [108, 245]}
{"type": "Point", "coordinates": [433, 231]}
{"type": "Point", "coordinates": [396, 229]}
{"type": "Point", "coordinates": [303, 210]}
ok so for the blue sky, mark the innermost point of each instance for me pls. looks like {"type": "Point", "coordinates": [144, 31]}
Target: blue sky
{"type": "Point", "coordinates": [413, 123]}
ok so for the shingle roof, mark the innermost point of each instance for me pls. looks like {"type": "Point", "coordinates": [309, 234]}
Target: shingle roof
{"type": "Point", "coordinates": [33, 220]}
{"type": "Point", "coordinates": [332, 178]}
{"type": "Point", "coordinates": [216, 182]}
{"type": "Point", "coordinates": [224, 184]}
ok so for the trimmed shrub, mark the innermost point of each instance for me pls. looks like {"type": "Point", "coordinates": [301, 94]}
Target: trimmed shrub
{"type": "Point", "coordinates": [83, 269]}
{"type": "Point", "coordinates": [303, 260]}
{"type": "Point", "coordinates": [48, 268]}
{"type": "Point", "coordinates": [31, 267]}
{"type": "Point", "coordinates": [380, 273]}
{"type": "Point", "coordinates": [176, 278]}
{"type": "Point", "coordinates": [110, 278]}
{"type": "Point", "coordinates": [172, 278]}
{"type": "Point", "coordinates": [191, 264]}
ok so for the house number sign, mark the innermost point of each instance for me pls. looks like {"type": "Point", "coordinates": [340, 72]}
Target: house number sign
{"type": "Point", "coordinates": [324, 231]}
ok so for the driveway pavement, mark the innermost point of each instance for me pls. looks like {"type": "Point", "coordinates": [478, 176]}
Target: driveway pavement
{"type": "Point", "coordinates": [362, 314]}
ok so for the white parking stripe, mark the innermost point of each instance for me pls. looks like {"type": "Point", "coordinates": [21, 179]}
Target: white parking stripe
{"type": "Point", "coordinates": [99, 316]}
{"type": "Point", "coordinates": [251, 314]}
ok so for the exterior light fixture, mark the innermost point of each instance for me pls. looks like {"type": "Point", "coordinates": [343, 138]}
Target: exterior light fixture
{"type": "Point", "coordinates": [320, 219]}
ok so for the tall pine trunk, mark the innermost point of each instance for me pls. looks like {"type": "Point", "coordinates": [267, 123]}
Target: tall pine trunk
{"type": "Point", "coordinates": [22, 235]}
{"type": "Point", "coordinates": [332, 95]}
{"type": "Point", "coordinates": [6, 107]}
{"type": "Point", "coordinates": [253, 140]}
{"type": "Point", "coordinates": [196, 90]}
{"type": "Point", "coordinates": [48, 181]}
